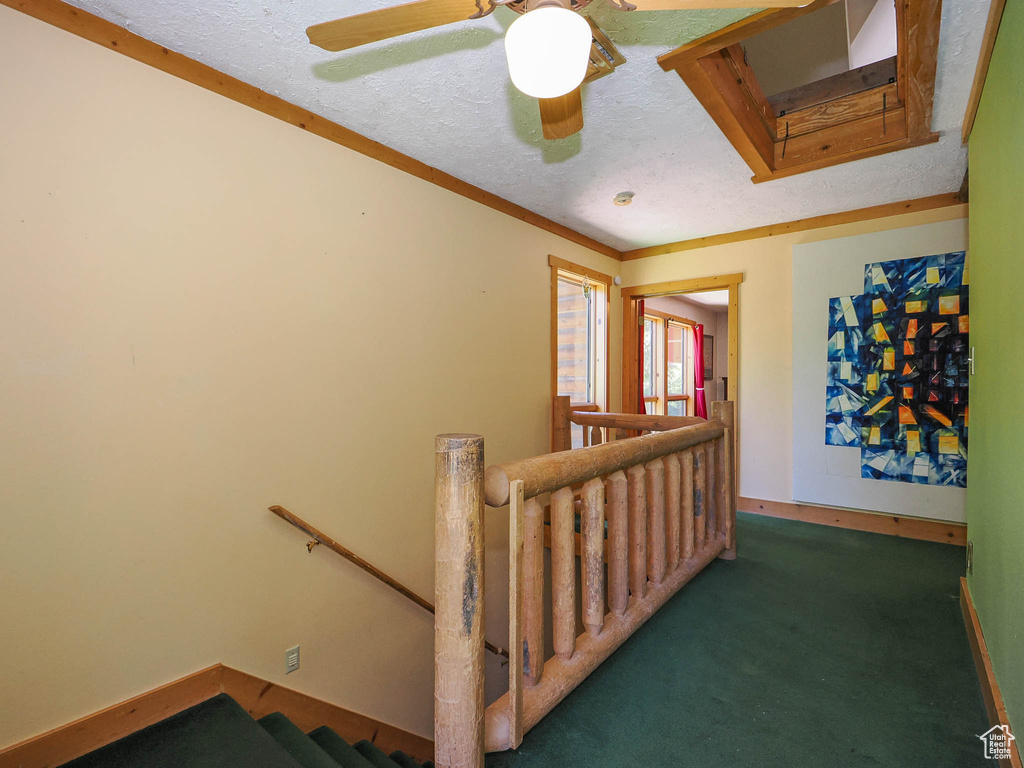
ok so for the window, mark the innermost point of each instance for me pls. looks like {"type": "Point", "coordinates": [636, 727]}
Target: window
{"type": "Point", "coordinates": [668, 365]}
{"type": "Point", "coordinates": [579, 335]}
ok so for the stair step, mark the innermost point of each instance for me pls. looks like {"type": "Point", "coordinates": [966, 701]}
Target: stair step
{"type": "Point", "coordinates": [216, 733]}
{"type": "Point", "coordinates": [301, 747]}
{"type": "Point", "coordinates": [343, 753]}
{"type": "Point", "coordinates": [403, 760]}
{"type": "Point", "coordinates": [372, 753]}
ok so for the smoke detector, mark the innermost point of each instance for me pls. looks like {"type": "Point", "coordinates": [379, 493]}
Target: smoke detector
{"type": "Point", "coordinates": [623, 198]}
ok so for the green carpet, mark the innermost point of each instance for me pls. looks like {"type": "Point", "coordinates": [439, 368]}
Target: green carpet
{"type": "Point", "coordinates": [817, 647]}
{"type": "Point", "coordinates": [218, 733]}
{"type": "Point", "coordinates": [301, 747]}
{"type": "Point", "coordinates": [214, 734]}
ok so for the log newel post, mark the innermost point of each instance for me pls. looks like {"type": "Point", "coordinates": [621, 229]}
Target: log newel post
{"type": "Point", "coordinates": [561, 426]}
{"type": "Point", "coordinates": [459, 601]}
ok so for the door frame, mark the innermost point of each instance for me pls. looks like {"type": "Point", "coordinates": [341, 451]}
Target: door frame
{"type": "Point", "coordinates": [631, 321]}
{"type": "Point", "coordinates": [631, 325]}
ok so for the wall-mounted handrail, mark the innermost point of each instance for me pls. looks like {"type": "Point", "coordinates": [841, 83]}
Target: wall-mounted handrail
{"type": "Point", "coordinates": [352, 557]}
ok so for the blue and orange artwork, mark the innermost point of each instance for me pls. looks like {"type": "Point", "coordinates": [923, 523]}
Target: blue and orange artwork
{"type": "Point", "coordinates": [897, 378]}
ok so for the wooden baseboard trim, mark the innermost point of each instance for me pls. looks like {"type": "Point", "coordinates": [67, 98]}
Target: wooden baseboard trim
{"type": "Point", "coordinates": [116, 38]}
{"type": "Point", "coordinates": [82, 736]}
{"type": "Point", "coordinates": [986, 677]}
{"type": "Point", "coordinates": [859, 520]}
{"type": "Point", "coordinates": [257, 696]}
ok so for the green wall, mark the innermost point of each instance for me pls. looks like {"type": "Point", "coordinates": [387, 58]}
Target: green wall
{"type": "Point", "coordinates": [995, 498]}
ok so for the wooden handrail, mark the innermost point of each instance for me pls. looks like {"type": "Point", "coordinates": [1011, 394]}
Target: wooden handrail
{"type": "Point", "coordinates": [643, 421]}
{"type": "Point", "coordinates": [352, 557]}
{"type": "Point", "coordinates": [541, 474]}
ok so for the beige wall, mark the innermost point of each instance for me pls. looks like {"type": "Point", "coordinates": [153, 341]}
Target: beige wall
{"type": "Point", "coordinates": [765, 336]}
{"type": "Point", "coordinates": [205, 312]}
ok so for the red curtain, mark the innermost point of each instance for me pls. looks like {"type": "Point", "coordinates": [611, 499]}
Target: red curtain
{"type": "Point", "coordinates": [641, 406]}
{"type": "Point", "coordinates": [700, 405]}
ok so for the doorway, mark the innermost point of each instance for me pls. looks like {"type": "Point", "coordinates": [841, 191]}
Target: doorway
{"type": "Point", "coordinates": [637, 328]}
{"type": "Point", "coordinates": [633, 326]}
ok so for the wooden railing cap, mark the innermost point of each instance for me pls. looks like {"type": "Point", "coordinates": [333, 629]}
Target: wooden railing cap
{"type": "Point", "coordinates": [549, 472]}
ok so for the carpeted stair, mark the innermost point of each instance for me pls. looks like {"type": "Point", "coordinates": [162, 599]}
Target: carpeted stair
{"type": "Point", "coordinates": [218, 733]}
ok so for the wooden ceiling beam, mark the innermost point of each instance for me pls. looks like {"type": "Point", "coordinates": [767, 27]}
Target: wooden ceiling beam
{"type": "Point", "coordinates": [713, 79]}
{"type": "Point", "coordinates": [920, 33]}
{"type": "Point", "coordinates": [741, 30]}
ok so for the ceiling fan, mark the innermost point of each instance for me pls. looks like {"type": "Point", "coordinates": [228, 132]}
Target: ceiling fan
{"type": "Point", "coordinates": [551, 49]}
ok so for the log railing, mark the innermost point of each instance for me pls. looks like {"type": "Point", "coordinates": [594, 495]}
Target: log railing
{"type": "Point", "coordinates": [669, 501]}
{"type": "Point", "coordinates": [602, 427]}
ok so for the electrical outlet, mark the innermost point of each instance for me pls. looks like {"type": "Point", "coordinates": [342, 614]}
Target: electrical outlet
{"type": "Point", "coordinates": [291, 659]}
{"type": "Point", "coordinates": [970, 557]}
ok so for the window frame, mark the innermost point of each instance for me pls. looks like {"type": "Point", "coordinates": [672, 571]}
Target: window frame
{"type": "Point", "coordinates": [559, 267]}
{"type": "Point", "coordinates": [665, 319]}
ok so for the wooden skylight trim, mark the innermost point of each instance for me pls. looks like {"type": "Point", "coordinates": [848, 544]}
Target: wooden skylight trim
{"type": "Point", "coordinates": [881, 108]}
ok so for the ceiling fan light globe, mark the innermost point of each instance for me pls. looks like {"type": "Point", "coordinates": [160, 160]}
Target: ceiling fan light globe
{"type": "Point", "coordinates": [548, 50]}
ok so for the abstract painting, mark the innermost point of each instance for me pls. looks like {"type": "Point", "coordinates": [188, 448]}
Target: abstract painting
{"type": "Point", "coordinates": [897, 379]}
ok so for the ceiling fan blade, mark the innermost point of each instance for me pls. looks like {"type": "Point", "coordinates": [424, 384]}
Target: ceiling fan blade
{"type": "Point", "coordinates": [562, 116]}
{"type": "Point", "coordinates": [369, 27]}
{"type": "Point", "coordinates": [690, 5]}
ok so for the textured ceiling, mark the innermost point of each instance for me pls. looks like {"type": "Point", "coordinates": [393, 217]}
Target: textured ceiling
{"type": "Point", "coordinates": [443, 96]}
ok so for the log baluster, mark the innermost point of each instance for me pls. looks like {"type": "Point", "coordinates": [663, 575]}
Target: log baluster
{"type": "Point", "coordinates": [672, 511]}
{"type": "Point", "coordinates": [592, 529]}
{"type": "Point", "coordinates": [618, 543]}
{"type": "Point", "coordinates": [700, 467]}
{"type": "Point", "coordinates": [533, 592]}
{"type": "Point", "coordinates": [711, 496]}
{"type": "Point", "coordinates": [729, 488]}
{"type": "Point", "coordinates": [595, 436]}
{"type": "Point", "coordinates": [516, 538]}
{"type": "Point", "coordinates": [686, 523]}
{"type": "Point", "coordinates": [656, 521]}
{"type": "Point", "coordinates": [563, 573]}
{"type": "Point", "coordinates": [459, 603]}
{"type": "Point", "coordinates": [721, 487]}
{"type": "Point", "coordinates": [725, 412]}
{"type": "Point", "coordinates": [637, 531]}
